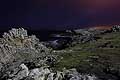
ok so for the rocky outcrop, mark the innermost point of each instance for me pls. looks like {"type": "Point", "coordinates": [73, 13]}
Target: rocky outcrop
{"type": "Point", "coordinates": [17, 45]}
{"type": "Point", "coordinates": [87, 35]}
{"type": "Point", "coordinates": [115, 28]}
{"type": "Point", "coordinates": [22, 72]}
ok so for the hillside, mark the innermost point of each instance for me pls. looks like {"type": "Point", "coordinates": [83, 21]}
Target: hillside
{"type": "Point", "coordinates": [89, 54]}
{"type": "Point", "coordinates": [100, 57]}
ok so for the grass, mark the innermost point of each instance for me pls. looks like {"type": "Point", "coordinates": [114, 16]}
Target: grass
{"type": "Point", "coordinates": [78, 56]}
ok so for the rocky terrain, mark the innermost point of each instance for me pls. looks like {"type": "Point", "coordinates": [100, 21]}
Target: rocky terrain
{"type": "Point", "coordinates": [82, 54]}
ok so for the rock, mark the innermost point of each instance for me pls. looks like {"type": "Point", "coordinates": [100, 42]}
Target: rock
{"type": "Point", "coordinates": [18, 45]}
{"type": "Point", "coordinates": [72, 74]}
{"type": "Point", "coordinates": [6, 53]}
{"type": "Point", "coordinates": [22, 72]}
{"type": "Point", "coordinates": [86, 35]}
{"type": "Point", "coordinates": [115, 28]}
{"type": "Point", "coordinates": [37, 74]}
{"type": "Point", "coordinates": [1, 66]}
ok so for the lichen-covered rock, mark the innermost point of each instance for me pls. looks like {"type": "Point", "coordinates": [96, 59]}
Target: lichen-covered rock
{"type": "Point", "coordinates": [44, 73]}
{"type": "Point", "coordinates": [23, 72]}
{"type": "Point", "coordinates": [6, 53]}
{"type": "Point", "coordinates": [17, 45]}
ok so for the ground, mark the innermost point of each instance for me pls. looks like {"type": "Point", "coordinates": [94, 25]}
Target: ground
{"type": "Point", "coordinates": [99, 57]}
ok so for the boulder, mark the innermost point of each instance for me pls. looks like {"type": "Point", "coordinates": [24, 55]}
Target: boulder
{"type": "Point", "coordinates": [22, 72]}
{"type": "Point", "coordinates": [115, 28]}
{"type": "Point", "coordinates": [18, 45]}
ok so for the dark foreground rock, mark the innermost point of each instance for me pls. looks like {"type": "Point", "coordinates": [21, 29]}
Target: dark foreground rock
{"type": "Point", "coordinates": [17, 45]}
{"type": "Point", "coordinates": [22, 72]}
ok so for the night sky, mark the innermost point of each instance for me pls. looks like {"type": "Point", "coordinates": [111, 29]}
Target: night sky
{"type": "Point", "coordinates": [56, 14]}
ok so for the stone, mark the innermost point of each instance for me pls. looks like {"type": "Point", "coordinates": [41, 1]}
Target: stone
{"type": "Point", "coordinates": [115, 28]}
{"type": "Point", "coordinates": [18, 44]}
{"type": "Point", "coordinates": [23, 73]}
{"type": "Point", "coordinates": [44, 73]}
